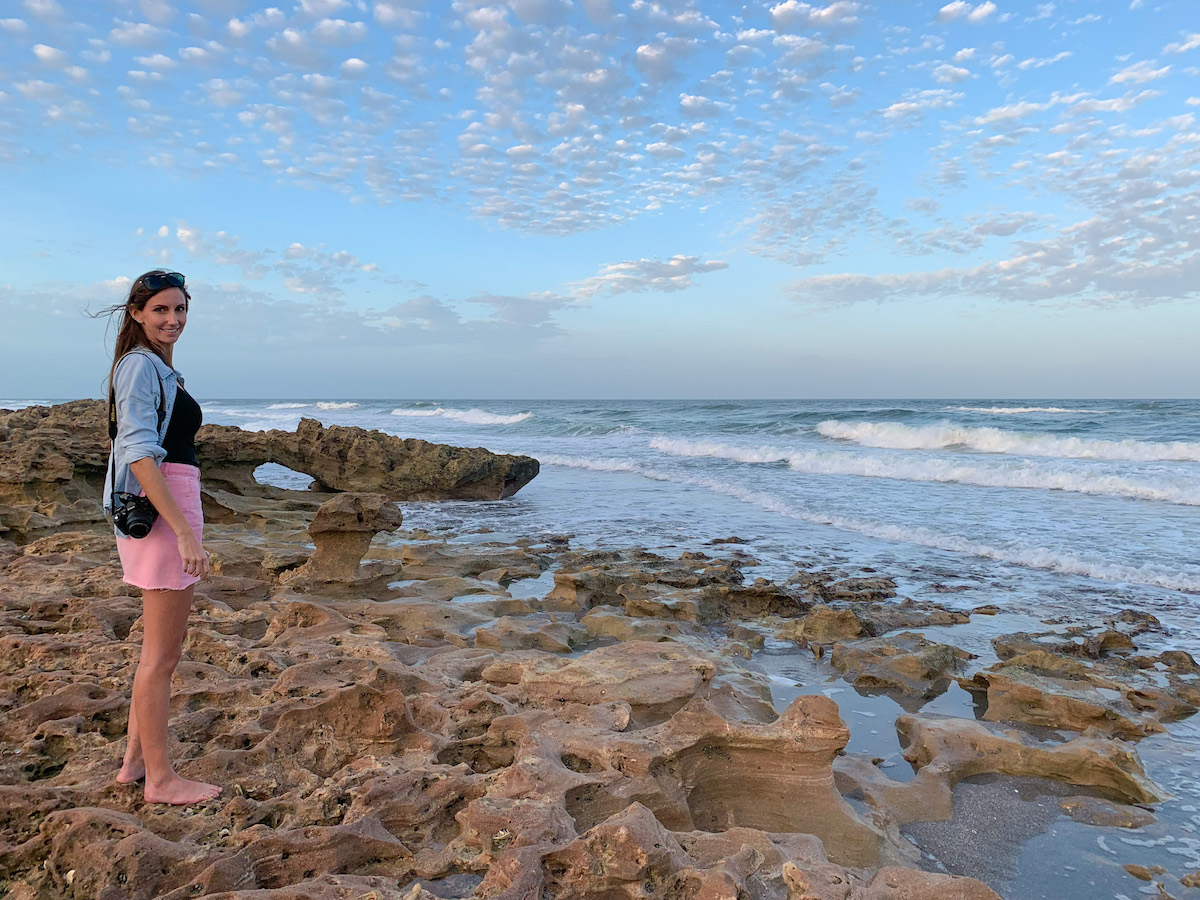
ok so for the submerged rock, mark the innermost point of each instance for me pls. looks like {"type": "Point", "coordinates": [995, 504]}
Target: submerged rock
{"type": "Point", "coordinates": [906, 662]}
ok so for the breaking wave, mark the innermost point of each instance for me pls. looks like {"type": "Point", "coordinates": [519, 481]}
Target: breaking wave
{"type": "Point", "coordinates": [995, 440]}
{"type": "Point", "coordinates": [1014, 554]}
{"type": "Point", "coordinates": [469, 416]}
{"type": "Point", "coordinates": [330, 405]}
{"type": "Point", "coordinates": [288, 406]}
{"type": "Point", "coordinates": [1008, 474]}
{"type": "Point", "coordinates": [1018, 410]}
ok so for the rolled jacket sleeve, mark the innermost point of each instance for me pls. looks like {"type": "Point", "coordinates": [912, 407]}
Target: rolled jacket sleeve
{"type": "Point", "coordinates": [137, 393]}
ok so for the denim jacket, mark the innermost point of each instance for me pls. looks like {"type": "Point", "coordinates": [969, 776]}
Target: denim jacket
{"type": "Point", "coordinates": [136, 382]}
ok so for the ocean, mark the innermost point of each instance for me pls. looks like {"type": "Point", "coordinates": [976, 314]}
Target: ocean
{"type": "Point", "coordinates": [1042, 506]}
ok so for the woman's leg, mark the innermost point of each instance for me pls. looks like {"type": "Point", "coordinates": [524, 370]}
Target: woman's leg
{"type": "Point", "coordinates": [164, 626]}
{"type": "Point", "coordinates": [134, 767]}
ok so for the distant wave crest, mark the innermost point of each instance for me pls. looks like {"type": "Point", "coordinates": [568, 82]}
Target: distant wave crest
{"type": "Point", "coordinates": [1018, 410]}
{"type": "Point", "coordinates": [331, 405]}
{"type": "Point", "coordinates": [1007, 474]}
{"type": "Point", "coordinates": [288, 406]}
{"type": "Point", "coordinates": [469, 416]}
{"type": "Point", "coordinates": [945, 435]}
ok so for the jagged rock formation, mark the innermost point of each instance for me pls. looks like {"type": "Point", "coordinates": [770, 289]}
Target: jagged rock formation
{"type": "Point", "coordinates": [52, 462]}
{"type": "Point", "coordinates": [354, 459]}
{"type": "Point", "coordinates": [341, 531]}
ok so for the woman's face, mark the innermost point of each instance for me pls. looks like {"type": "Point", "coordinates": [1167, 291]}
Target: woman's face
{"type": "Point", "coordinates": [163, 316]}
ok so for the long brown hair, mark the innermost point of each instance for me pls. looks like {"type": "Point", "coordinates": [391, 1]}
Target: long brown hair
{"type": "Point", "coordinates": [130, 333]}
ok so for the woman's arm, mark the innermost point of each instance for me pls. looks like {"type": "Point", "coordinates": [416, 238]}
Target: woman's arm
{"type": "Point", "coordinates": [146, 471]}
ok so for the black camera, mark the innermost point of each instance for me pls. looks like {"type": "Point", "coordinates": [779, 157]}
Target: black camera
{"type": "Point", "coordinates": [134, 516]}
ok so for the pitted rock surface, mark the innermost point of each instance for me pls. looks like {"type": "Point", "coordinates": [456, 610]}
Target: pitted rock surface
{"type": "Point", "coordinates": [53, 461]}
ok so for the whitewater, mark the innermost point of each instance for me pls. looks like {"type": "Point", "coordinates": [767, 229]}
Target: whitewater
{"type": "Point", "coordinates": [1043, 501]}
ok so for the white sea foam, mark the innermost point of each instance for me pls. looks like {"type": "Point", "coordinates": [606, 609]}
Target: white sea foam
{"type": "Point", "coordinates": [25, 404]}
{"type": "Point", "coordinates": [595, 465]}
{"type": "Point", "coordinates": [469, 416]}
{"type": "Point", "coordinates": [331, 405]}
{"type": "Point", "coordinates": [1018, 410]}
{"type": "Point", "coordinates": [1015, 554]}
{"type": "Point", "coordinates": [995, 440]}
{"type": "Point", "coordinates": [289, 406]}
{"type": "Point", "coordinates": [999, 474]}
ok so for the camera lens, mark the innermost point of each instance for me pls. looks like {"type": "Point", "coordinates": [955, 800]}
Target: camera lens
{"type": "Point", "coordinates": [139, 526]}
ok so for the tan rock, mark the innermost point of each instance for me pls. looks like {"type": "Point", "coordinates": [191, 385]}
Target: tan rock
{"type": "Point", "coordinates": [342, 530]}
{"type": "Point", "coordinates": [511, 633]}
{"type": "Point", "coordinates": [607, 622]}
{"type": "Point", "coordinates": [906, 662]}
{"type": "Point", "coordinates": [655, 679]}
{"type": "Point", "coordinates": [355, 459]}
{"type": "Point", "coordinates": [824, 625]}
{"type": "Point", "coordinates": [1042, 688]}
{"type": "Point", "coordinates": [966, 748]}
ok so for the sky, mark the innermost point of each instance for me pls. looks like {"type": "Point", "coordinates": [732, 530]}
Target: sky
{"type": "Point", "coordinates": [593, 198]}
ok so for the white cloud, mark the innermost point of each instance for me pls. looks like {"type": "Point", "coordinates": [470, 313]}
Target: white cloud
{"type": "Point", "coordinates": [398, 14]}
{"type": "Point", "coordinates": [321, 8]}
{"type": "Point", "coordinates": [50, 56]}
{"type": "Point", "coordinates": [1010, 112]}
{"type": "Point", "coordinates": [35, 89]}
{"type": "Point", "coordinates": [658, 61]}
{"type": "Point", "coordinates": [798, 48]}
{"type": "Point", "coordinates": [160, 12]}
{"type": "Point", "coordinates": [917, 103]}
{"type": "Point", "coordinates": [948, 74]}
{"type": "Point", "coordinates": [1139, 73]}
{"type": "Point", "coordinates": [960, 11]}
{"type": "Point", "coordinates": [674, 274]}
{"type": "Point", "coordinates": [339, 32]}
{"type": "Point", "coordinates": [239, 28]}
{"type": "Point", "coordinates": [698, 107]}
{"type": "Point", "coordinates": [136, 34]}
{"type": "Point", "coordinates": [291, 46]}
{"type": "Point", "coordinates": [158, 62]}
{"type": "Point", "coordinates": [353, 67]}
{"type": "Point", "coordinates": [222, 93]}
{"type": "Point", "coordinates": [794, 15]}
{"type": "Point", "coordinates": [1191, 41]}
{"type": "Point", "coordinates": [1041, 62]}
{"type": "Point", "coordinates": [47, 10]}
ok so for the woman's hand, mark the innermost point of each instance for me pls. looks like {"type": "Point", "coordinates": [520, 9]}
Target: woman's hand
{"type": "Point", "coordinates": [195, 557]}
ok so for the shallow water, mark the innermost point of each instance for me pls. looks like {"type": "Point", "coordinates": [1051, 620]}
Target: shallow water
{"type": "Point", "coordinates": [1011, 832]}
{"type": "Point", "coordinates": [1104, 492]}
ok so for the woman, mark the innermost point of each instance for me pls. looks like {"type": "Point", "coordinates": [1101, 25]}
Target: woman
{"type": "Point", "coordinates": [154, 455]}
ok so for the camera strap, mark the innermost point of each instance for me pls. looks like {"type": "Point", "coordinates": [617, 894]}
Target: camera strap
{"type": "Point", "coordinates": [112, 430]}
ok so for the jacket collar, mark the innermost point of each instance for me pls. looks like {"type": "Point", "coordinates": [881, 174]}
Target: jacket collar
{"type": "Point", "coordinates": [163, 369]}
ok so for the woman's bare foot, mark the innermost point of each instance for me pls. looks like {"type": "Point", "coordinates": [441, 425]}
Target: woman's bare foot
{"type": "Point", "coordinates": [180, 792]}
{"type": "Point", "coordinates": [131, 772]}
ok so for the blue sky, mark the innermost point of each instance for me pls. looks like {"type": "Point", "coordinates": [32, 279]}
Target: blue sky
{"type": "Point", "coordinates": [591, 198]}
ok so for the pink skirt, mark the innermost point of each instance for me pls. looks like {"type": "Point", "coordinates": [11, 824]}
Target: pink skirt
{"type": "Point", "coordinates": [153, 562]}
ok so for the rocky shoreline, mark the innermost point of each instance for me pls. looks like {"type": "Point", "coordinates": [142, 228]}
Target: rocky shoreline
{"type": "Point", "coordinates": [398, 716]}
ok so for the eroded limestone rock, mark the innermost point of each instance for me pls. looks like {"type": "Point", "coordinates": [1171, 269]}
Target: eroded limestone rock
{"type": "Point", "coordinates": [342, 530]}
{"type": "Point", "coordinates": [906, 662]}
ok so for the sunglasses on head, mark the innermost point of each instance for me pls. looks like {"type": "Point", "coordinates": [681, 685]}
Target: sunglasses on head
{"type": "Point", "coordinates": [157, 281]}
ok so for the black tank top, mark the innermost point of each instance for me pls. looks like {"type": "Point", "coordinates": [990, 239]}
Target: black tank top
{"type": "Point", "coordinates": [180, 442]}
